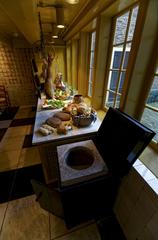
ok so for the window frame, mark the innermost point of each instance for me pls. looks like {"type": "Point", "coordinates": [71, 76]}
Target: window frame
{"type": "Point", "coordinates": [112, 45]}
{"type": "Point", "coordinates": [89, 59]}
{"type": "Point", "coordinates": [153, 143]}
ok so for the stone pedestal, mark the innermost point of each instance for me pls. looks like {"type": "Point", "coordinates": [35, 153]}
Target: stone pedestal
{"type": "Point", "coordinates": [70, 175]}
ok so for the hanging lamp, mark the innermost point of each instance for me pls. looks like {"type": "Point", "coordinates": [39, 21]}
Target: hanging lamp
{"type": "Point", "coordinates": [60, 17]}
{"type": "Point", "coordinates": [54, 31]}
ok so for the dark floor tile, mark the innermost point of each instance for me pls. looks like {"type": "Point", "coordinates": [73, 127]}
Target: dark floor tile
{"type": "Point", "coordinates": [16, 184]}
{"type": "Point", "coordinates": [2, 132]}
{"type": "Point", "coordinates": [22, 122]}
{"type": "Point", "coordinates": [8, 113]}
{"type": "Point", "coordinates": [22, 185]}
{"type": "Point", "coordinates": [27, 141]}
{"type": "Point", "coordinates": [6, 183]}
{"type": "Point", "coordinates": [110, 229]}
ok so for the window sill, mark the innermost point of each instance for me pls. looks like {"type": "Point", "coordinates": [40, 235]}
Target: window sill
{"type": "Point", "coordinates": [149, 158]}
{"type": "Point", "coordinates": [149, 177]}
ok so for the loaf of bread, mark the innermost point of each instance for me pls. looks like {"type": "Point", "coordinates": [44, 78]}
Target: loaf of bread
{"type": "Point", "coordinates": [62, 116]}
{"type": "Point", "coordinates": [53, 122]}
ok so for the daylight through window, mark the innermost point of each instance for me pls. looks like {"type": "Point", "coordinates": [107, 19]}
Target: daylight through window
{"type": "Point", "coordinates": [91, 64]}
{"type": "Point", "coordinates": [124, 26]}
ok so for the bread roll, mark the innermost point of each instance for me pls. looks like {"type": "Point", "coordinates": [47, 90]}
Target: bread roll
{"type": "Point", "coordinates": [61, 129]}
{"type": "Point", "coordinates": [49, 128]}
{"type": "Point", "coordinates": [44, 131]}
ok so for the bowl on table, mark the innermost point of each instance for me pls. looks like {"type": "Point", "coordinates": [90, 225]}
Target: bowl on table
{"type": "Point", "coordinates": [84, 120]}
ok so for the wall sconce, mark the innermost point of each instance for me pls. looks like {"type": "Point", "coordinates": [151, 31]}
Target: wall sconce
{"type": "Point", "coordinates": [54, 31]}
{"type": "Point", "coordinates": [60, 17]}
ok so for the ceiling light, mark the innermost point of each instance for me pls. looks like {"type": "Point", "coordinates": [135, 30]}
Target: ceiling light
{"type": "Point", "coordinates": [60, 17]}
{"type": "Point", "coordinates": [54, 31]}
{"type": "Point", "coordinates": [72, 1]}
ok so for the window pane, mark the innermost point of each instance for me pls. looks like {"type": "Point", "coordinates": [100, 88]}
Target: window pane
{"type": "Point", "coordinates": [113, 79]}
{"type": "Point", "coordinates": [122, 78]}
{"type": "Point", "coordinates": [126, 56]}
{"type": "Point", "coordinates": [116, 57]}
{"type": "Point", "coordinates": [117, 103]}
{"type": "Point", "coordinates": [109, 99]}
{"type": "Point", "coordinates": [90, 90]}
{"type": "Point", "coordinates": [90, 75]}
{"type": "Point", "coordinates": [132, 24]}
{"type": "Point", "coordinates": [93, 41]}
{"type": "Point", "coordinates": [150, 119]}
{"type": "Point", "coordinates": [157, 70]}
{"type": "Point", "coordinates": [153, 95]}
{"type": "Point", "coordinates": [92, 60]}
{"type": "Point", "coordinates": [125, 60]}
{"type": "Point", "coordinates": [120, 30]}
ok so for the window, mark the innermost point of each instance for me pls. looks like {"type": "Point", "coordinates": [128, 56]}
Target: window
{"type": "Point", "coordinates": [150, 114]}
{"type": "Point", "coordinates": [124, 26]}
{"type": "Point", "coordinates": [91, 63]}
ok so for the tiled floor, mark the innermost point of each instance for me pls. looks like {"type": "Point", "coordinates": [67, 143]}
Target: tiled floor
{"type": "Point", "coordinates": [23, 218]}
{"type": "Point", "coordinates": [12, 152]}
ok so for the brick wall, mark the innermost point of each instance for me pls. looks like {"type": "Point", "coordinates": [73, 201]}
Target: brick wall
{"type": "Point", "coordinates": [16, 74]}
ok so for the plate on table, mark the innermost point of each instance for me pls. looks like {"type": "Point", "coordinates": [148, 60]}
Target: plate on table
{"type": "Point", "coordinates": [53, 104]}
